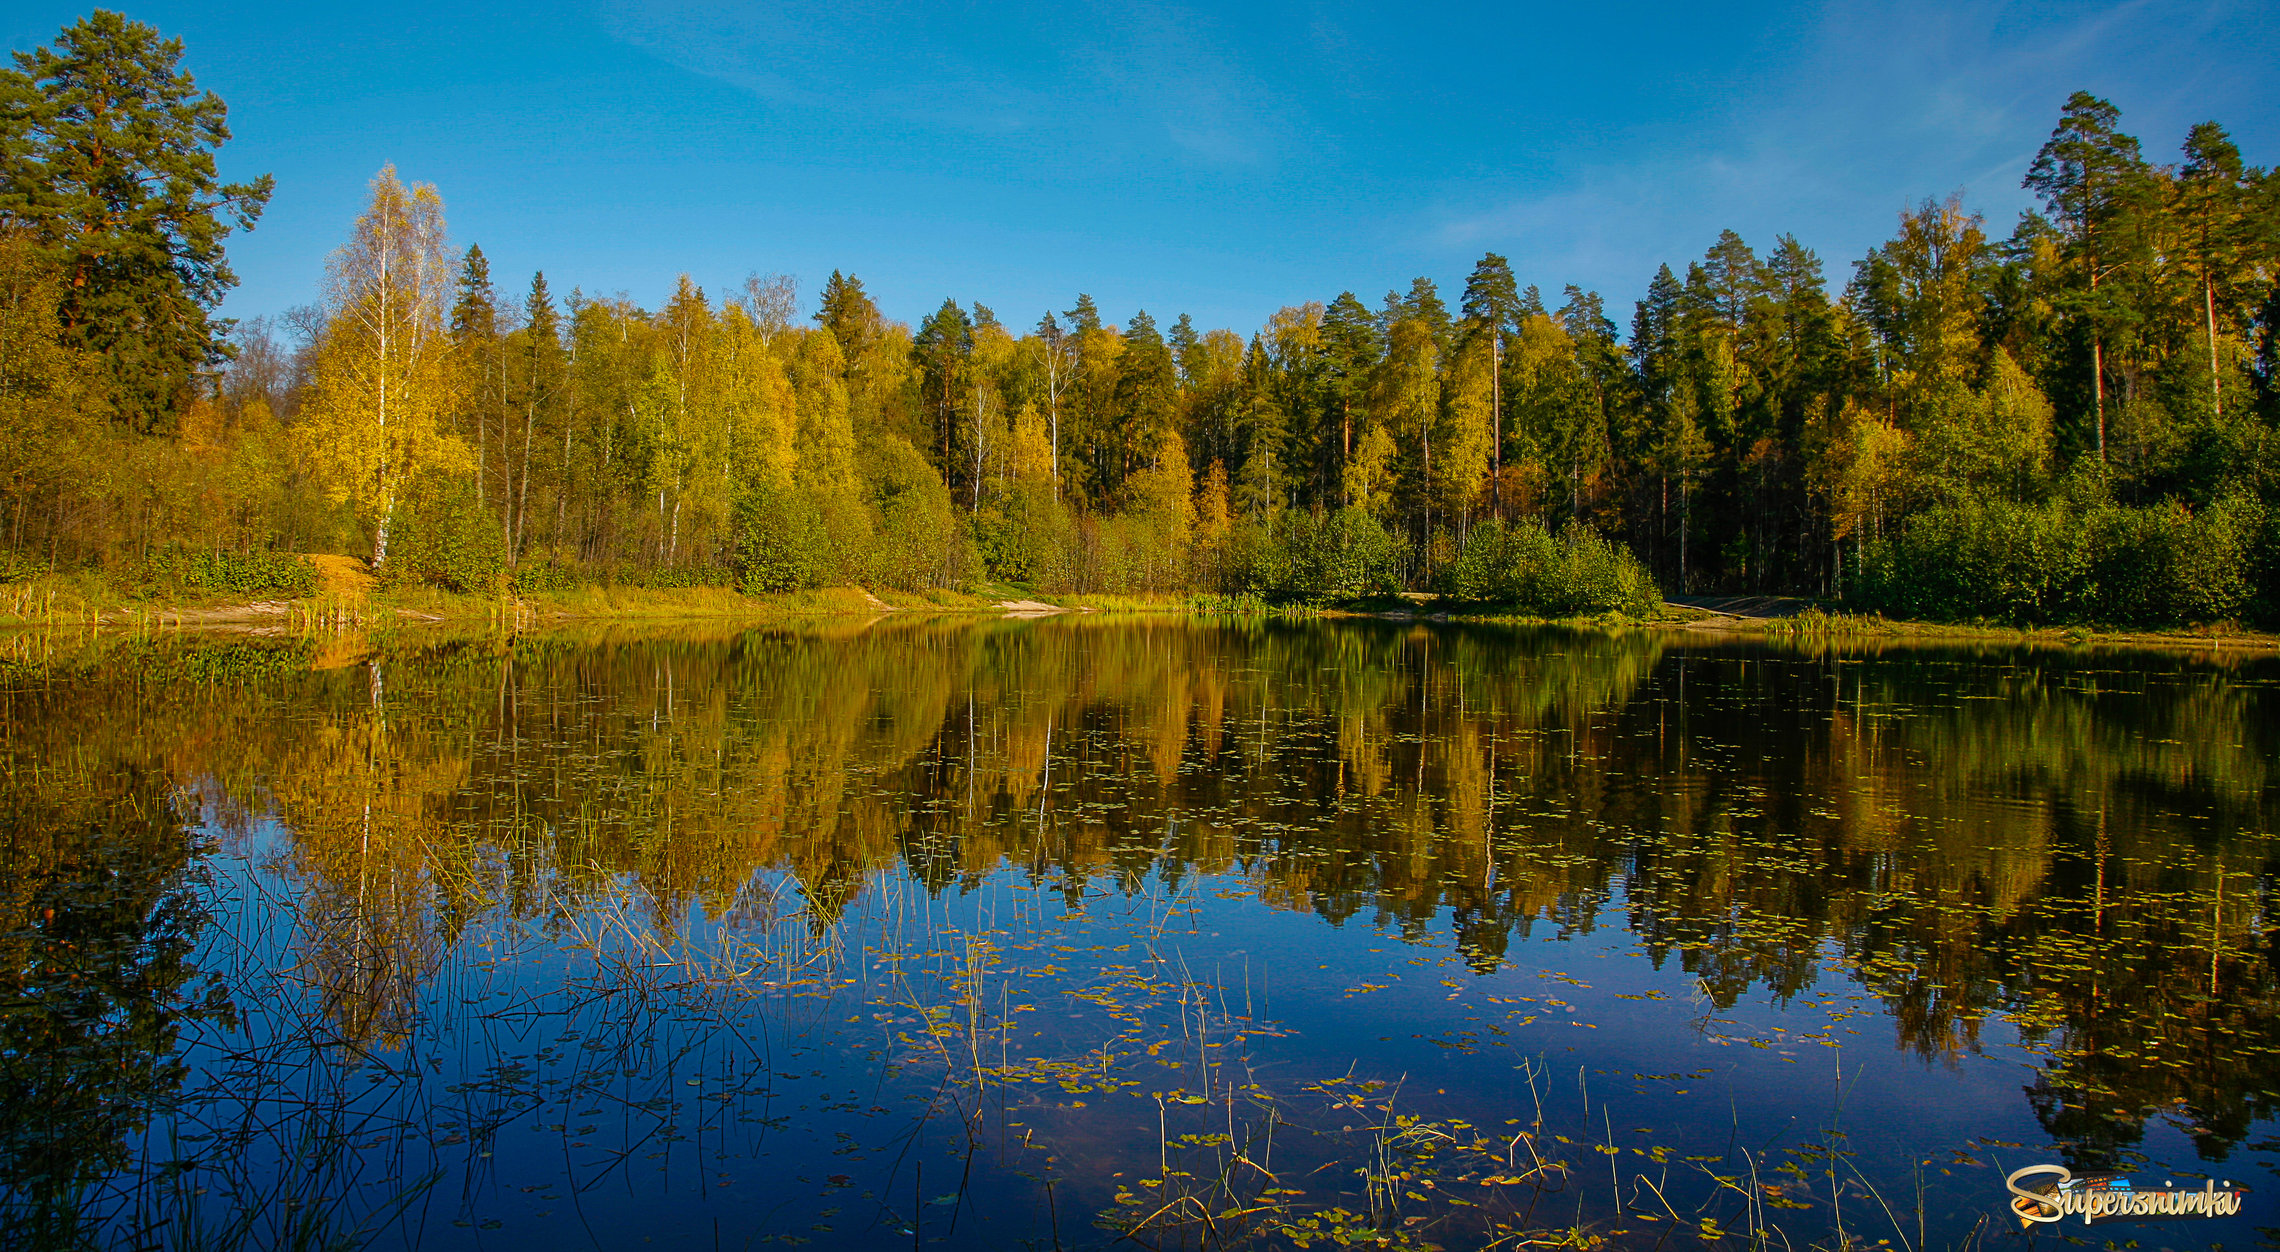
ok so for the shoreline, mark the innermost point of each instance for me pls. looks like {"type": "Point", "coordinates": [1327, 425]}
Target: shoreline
{"type": "Point", "coordinates": [365, 608]}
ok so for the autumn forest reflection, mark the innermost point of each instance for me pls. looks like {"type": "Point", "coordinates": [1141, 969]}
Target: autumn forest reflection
{"type": "Point", "coordinates": [2075, 842]}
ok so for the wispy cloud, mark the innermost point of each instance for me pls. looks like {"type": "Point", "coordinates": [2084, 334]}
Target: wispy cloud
{"type": "Point", "coordinates": [1890, 103]}
{"type": "Point", "coordinates": [1136, 80]}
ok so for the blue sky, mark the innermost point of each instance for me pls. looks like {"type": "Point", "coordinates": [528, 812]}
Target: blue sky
{"type": "Point", "coordinates": [1219, 161]}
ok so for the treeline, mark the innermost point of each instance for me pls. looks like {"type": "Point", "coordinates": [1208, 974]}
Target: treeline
{"type": "Point", "coordinates": [2071, 422]}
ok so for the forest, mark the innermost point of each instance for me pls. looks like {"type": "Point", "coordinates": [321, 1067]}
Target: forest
{"type": "Point", "coordinates": [2071, 419]}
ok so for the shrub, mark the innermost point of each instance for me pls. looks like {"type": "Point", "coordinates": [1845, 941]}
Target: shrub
{"type": "Point", "coordinates": [778, 541]}
{"type": "Point", "coordinates": [1321, 559]}
{"type": "Point", "coordinates": [2015, 562]}
{"type": "Point", "coordinates": [447, 540]}
{"type": "Point", "coordinates": [1523, 566]}
{"type": "Point", "coordinates": [1025, 537]}
{"type": "Point", "coordinates": [2059, 562]}
{"type": "Point", "coordinates": [260, 572]}
{"type": "Point", "coordinates": [541, 577]}
{"type": "Point", "coordinates": [921, 541]}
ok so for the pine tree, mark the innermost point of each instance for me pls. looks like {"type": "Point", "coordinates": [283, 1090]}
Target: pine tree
{"type": "Point", "coordinates": [476, 350]}
{"type": "Point", "coordinates": [1352, 343]}
{"type": "Point", "coordinates": [849, 315]}
{"type": "Point", "coordinates": [108, 155]}
{"type": "Point", "coordinates": [2211, 191]}
{"type": "Point", "coordinates": [1085, 317]}
{"type": "Point", "coordinates": [941, 350]}
{"type": "Point", "coordinates": [1187, 351]}
{"type": "Point", "coordinates": [1147, 395]}
{"type": "Point", "coordinates": [541, 385]}
{"type": "Point", "coordinates": [2095, 185]}
{"type": "Point", "coordinates": [1491, 307]}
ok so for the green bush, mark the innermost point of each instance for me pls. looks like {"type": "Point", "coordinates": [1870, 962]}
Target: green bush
{"type": "Point", "coordinates": [778, 541]}
{"type": "Point", "coordinates": [2162, 564]}
{"type": "Point", "coordinates": [261, 572]}
{"type": "Point", "coordinates": [1026, 537]}
{"type": "Point", "coordinates": [921, 542]}
{"type": "Point", "coordinates": [16, 567]}
{"type": "Point", "coordinates": [1524, 567]}
{"type": "Point", "coordinates": [2015, 562]}
{"type": "Point", "coordinates": [448, 540]}
{"type": "Point", "coordinates": [540, 577]}
{"type": "Point", "coordinates": [1344, 555]}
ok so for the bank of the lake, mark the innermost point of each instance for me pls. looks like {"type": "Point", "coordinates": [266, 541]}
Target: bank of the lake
{"type": "Point", "coordinates": [348, 597]}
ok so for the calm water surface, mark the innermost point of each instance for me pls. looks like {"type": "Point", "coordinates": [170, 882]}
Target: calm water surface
{"type": "Point", "coordinates": [1082, 933]}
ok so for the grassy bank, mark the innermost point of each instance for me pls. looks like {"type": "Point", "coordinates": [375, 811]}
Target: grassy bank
{"type": "Point", "coordinates": [346, 596]}
{"type": "Point", "coordinates": [343, 591]}
{"type": "Point", "coordinates": [1818, 623]}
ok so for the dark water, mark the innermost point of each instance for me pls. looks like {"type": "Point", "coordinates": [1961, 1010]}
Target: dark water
{"type": "Point", "coordinates": [1087, 933]}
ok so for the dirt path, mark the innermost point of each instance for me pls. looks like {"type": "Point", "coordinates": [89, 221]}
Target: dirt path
{"type": "Point", "coordinates": [341, 575]}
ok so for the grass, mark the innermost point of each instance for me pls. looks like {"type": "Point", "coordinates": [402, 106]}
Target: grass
{"type": "Point", "coordinates": [90, 597]}
{"type": "Point", "coordinates": [1818, 623]}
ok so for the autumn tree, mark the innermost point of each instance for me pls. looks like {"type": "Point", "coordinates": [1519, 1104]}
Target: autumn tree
{"type": "Point", "coordinates": [374, 422]}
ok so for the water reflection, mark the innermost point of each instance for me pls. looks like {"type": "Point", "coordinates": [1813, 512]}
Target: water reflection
{"type": "Point", "coordinates": [2076, 843]}
{"type": "Point", "coordinates": [99, 921]}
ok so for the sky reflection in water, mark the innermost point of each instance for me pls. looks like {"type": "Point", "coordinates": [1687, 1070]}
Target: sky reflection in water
{"type": "Point", "coordinates": [984, 934]}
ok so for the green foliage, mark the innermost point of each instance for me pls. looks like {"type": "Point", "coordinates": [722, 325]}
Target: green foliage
{"type": "Point", "coordinates": [257, 573]}
{"type": "Point", "coordinates": [922, 543]}
{"type": "Point", "coordinates": [778, 541]}
{"type": "Point", "coordinates": [16, 567]}
{"type": "Point", "coordinates": [543, 577]}
{"type": "Point", "coordinates": [2067, 562]}
{"type": "Point", "coordinates": [107, 150]}
{"type": "Point", "coordinates": [1901, 438]}
{"type": "Point", "coordinates": [1524, 567]}
{"type": "Point", "coordinates": [448, 540]}
{"type": "Point", "coordinates": [1338, 556]}
{"type": "Point", "coordinates": [1027, 537]}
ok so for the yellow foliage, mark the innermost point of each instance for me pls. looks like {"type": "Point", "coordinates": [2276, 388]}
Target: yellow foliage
{"type": "Point", "coordinates": [372, 425]}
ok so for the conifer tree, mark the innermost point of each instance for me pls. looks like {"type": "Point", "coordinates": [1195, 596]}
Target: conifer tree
{"type": "Point", "coordinates": [481, 361]}
{"type": "Point", "coordinates": [2092, 180]}
{"type": "Point", "coordinates": [1491, 307]}
{"type": "Point", "coordinates": [540, 386]}
{"type": "Point", "coordinates": [107, 154]}
{"type": "Point", "coordinates": [2210, 208]}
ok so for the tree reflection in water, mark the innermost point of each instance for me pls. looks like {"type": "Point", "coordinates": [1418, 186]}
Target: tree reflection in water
{"type": "Point", "coordinates": [2078, 843]}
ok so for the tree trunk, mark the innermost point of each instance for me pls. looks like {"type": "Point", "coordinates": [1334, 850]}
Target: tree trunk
{"type": "Point", "coordinates": [1496, 421]}
{"type": "Point", "coordinates": [380, 538]}
{"type": "Point", "coordinates": [2216, 379]}
{"type": "Point", "coordinates": [2098, 388]}
{"type": "Point", "coordinates": [522, 496]}
{"type": "Point", "coordinates": [1685, 520]}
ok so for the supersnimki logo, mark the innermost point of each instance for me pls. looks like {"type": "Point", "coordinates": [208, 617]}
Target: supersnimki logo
{"type": "Point", "coordinates": [2060, 1194]}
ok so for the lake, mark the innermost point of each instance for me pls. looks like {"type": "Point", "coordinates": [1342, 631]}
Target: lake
{"type": "Point", "coordinates": [1097, 931]}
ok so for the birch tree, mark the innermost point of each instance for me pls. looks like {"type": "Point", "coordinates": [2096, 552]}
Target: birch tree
{"type": "Point", "coordinates": [372, 425]}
